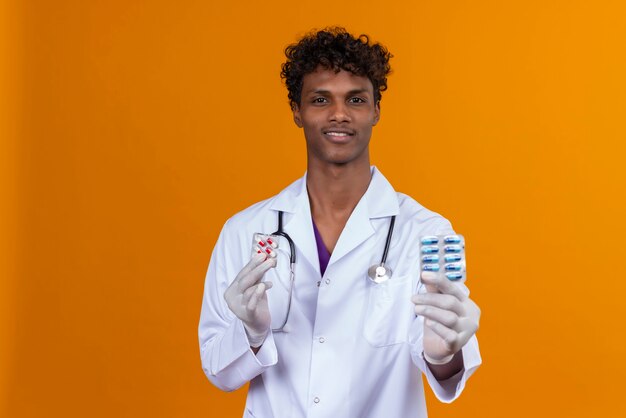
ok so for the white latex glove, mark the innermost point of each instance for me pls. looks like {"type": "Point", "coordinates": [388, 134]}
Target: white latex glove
{"type": "Point", "coordinates": [450, 317]}
{"type": "Point", "coordinates": [247, 299]}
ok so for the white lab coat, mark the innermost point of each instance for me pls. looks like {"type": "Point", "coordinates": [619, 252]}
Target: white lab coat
{"type": "Point", "coordinates": [354, 348]}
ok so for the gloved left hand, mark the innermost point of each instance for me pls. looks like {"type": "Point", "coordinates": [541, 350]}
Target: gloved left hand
{"type": "Point", "coordinates": [247, 299]}
{"type": "Point", "coordinates": [450, 317]}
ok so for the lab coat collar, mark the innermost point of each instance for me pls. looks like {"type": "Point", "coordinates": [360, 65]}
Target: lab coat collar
{"type": "Point", "coordinates": [294, 201]}
{"type": "Point", "coordinates": [380, 200]}
{"type": "Point", "coordinates": [380, 196]}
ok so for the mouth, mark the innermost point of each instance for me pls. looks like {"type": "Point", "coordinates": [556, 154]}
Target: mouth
{"type": "Point", "coordinates": [338, 135]}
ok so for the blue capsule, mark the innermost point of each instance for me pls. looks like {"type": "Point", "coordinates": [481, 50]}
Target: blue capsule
{"type": "Point", "coordinates": [454, 276]}
{"type": "Point", "coordinates": [430, 267]}
{"type": "Point", "coordinates": [452, 258]}
{"type": "Point", "coordinates": [452, 248]}
{"type": "Point", "coordinates": [430, 259]}
{"type": "Point", "coordinates": [430, 249]}
{"type": "Point", "coordinates": [430, 240]}
{"type": "Point", "coordinates": [454, 267]}
{"type": "Point", "coordinates": [452, 239]}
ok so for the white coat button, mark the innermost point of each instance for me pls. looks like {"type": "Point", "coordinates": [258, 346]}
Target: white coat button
{"type": "Point", "coordinates": [316, 400]}
{"type": "Point", "coordinates": [318, 283]}
{"type": "Point", "coordinates": [322, 339]}
{"type": "Point", "coordinates": [327, 281]}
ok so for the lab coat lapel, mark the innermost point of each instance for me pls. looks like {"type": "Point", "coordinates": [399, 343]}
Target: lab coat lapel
{"type": "Point", "coordinates": [357, 230]}
{"type": "Point", "coordinates": [294, 201]}
{"type": "Point", "coordinates": [380, 200]}
{"type": "Point", "coordinates": [300, 228]}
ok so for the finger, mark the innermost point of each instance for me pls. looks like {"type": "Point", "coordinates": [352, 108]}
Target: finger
{"type": "Point", "coordinates": [440, 300]}
{"type": "Point", "coordinates": [472, 310]}
{"type": "Point", "coordinates": [443, 284]}
{"type": "Point", "coordinates": [424, 279]}
{"type": "Point", "coordinates": [262, 268]}
{"type": "Point", "coordinates": [256, 260]}
{"type": "Point", "coordinates": [447, 318]}
{"type": "Point", "coordinates": [468, 327]}
{"type": "Point", "coordinates": [247, 294]}
{"type": "Point", "coordinates": [265, 249]}
{"type": "Point", "coordinates": [257, 273]}
{"type": "Point", "coordinates": [259, 290]}
{"type": "Point", "coordinates": [449, 336]}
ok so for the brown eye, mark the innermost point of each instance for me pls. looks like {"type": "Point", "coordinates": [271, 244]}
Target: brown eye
{"type": "Point", "coordinates": [356, 100]}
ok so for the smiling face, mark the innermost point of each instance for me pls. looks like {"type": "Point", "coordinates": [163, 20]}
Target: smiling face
{"type": "Point", "coordinates": [337, 112]}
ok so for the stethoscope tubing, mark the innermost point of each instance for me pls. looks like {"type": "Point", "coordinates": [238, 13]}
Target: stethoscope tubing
{"type": "Point", "coordinates": [292, 268]}
{"type": "Point", "coordinates": [388, 241]}
{"type": "Point", "coordinates": [292, 261]}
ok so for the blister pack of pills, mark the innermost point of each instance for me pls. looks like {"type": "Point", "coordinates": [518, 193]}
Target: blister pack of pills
{"type": "Point", "coordinates": [263, 243]}
{"type": "Point", "coordinates": [444, 254]}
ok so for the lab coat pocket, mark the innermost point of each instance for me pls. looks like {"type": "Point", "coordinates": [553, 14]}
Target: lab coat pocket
{"type": "Point", "coordinates": [389, 312]}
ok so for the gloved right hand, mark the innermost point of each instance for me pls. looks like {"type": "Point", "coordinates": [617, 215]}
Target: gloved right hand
{"type": "Point", "coordinates": [247, 299]}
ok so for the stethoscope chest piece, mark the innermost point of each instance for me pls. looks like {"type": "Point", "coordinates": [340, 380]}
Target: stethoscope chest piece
{"type": "Point", "coordinates": [379, 273]}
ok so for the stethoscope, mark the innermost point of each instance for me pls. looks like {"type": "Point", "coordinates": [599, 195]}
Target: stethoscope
{"type": "Point", "coordinates": [378, 273]}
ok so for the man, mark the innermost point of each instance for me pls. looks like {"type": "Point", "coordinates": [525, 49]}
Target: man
{"type": "Point", "coordinates": [350, 347]}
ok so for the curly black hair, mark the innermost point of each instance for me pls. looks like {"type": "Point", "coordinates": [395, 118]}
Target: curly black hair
{"type": "Point", "coordinates": [335, 49]}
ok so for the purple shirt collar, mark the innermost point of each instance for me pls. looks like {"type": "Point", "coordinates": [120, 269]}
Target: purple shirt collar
{"type": "Point", "coordinates": [322, 251]}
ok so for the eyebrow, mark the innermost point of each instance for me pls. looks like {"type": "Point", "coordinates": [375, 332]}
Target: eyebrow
{"type": "Point", "coordinates": [351, 92]}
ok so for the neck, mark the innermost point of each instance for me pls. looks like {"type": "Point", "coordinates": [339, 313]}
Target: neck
{"type": "Point", "coordinates": [334, 191]}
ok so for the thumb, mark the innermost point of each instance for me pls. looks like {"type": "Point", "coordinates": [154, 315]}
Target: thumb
{"type": "Point", "coordinates": [428, 277]}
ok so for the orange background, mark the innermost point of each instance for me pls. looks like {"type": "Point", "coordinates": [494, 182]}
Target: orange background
{"type": "Point", "coordinates": [132, 130]}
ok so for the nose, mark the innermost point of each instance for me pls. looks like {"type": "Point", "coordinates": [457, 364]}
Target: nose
{"type": "Point", "coordinates": [339, 112]}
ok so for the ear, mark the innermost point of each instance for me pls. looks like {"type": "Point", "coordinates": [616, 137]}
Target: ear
{"type": "Point", "coordinates": [376, 113]}
{"type": "Point", "coordinates": [296, 115]}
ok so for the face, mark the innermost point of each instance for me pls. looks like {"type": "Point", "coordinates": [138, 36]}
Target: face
{"type": "Point", "coordinates": [337, 112]}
